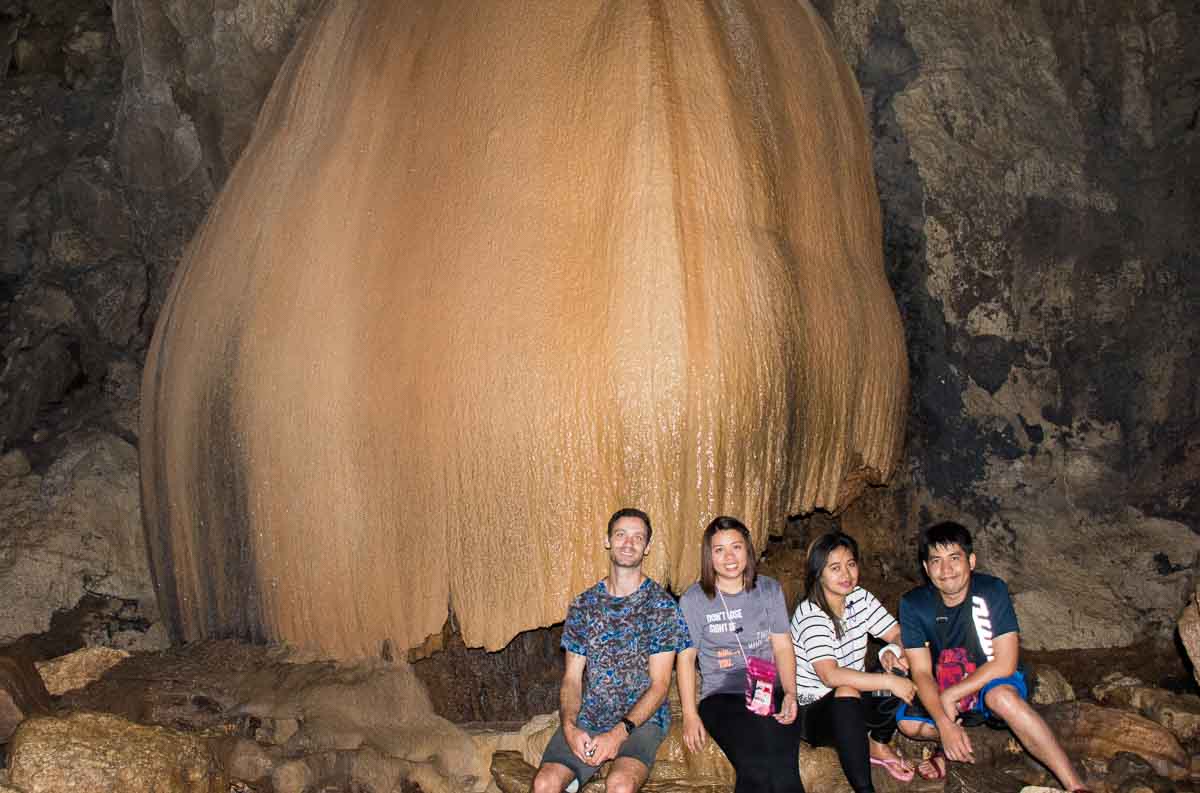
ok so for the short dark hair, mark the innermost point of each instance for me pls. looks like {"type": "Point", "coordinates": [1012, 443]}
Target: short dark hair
{"type": "Point", "coordinates": [814, 565]}
{"type": "Point", "coordinates": [708, 574]}
{"type": "Point", "coordinates": [945, 533]}
{"type": "Point", "coordinates": [631, 512]}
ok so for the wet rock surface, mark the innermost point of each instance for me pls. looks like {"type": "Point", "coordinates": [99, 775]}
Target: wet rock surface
{"type": "Point", "coordinates": [106, 754]}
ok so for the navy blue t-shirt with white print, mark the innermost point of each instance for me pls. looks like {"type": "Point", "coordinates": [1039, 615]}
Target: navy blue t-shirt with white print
{"type": "Point", "coordinates": [988, 609]}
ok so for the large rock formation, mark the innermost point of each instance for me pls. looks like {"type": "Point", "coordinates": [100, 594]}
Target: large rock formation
{"type": "Point", "coordinates": [479, 280]}
{"type": "Point", "coordinates": [74, 529]}
{"type": "Point", "coordinates": [106, 754]}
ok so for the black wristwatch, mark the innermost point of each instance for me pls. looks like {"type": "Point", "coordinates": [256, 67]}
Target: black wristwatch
{"type": "Point", "coordinates": [629, 725]}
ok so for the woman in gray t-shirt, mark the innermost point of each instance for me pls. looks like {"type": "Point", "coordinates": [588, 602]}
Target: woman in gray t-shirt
{"type": "Point", "coordinates": [733, 615]}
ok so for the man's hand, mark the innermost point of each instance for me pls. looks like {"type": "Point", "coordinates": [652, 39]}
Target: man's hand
{"type": "Point", "coordinates": [950, 699]}
{"type": "Point", "coordinates": [694, 733]}
{"type": "Point", "coordinates": [787, 709]}
{"type": "Point", "coordinates": [579, 741]}
{"type": "Point", "coordinates": [956, 742]}
{"type": "Point", "coordinates": [606, 745]}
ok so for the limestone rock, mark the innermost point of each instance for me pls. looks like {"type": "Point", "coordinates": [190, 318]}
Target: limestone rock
{"type": "Point", "coordinates": [22, 693]}
{"type": "Point", "coordinates": [247, 760]}
{"type": "Point", "coordinates": [1189, 630]}
{"type": "Point", "coordinates": [79, 668]}
{"type": "Point", "coordinates": [511, 773]}
{"type": "Point", "coordinates": [76, 528]}
{"type": "Point", "coordinates": [1051, 687]}
{"type": "Point", "coordinates": [106, 754]}
{"type": "Point", "coordinates": [802, 395]}
{"type": "Point", "coordinates": [294, 776]}
{"type": "Point", "coordinates": [1086, 729]}
{"type": "Point", "coordinates": [1179, 713]}
{"type": "Point", "coordinates": [373, 704]}
{"type": "Point", "coordinates": [977, 778]}
{"type": "Point", "coordinates": [13, 464]}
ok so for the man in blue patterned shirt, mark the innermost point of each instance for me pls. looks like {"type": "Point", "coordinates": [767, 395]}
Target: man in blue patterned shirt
{"type": "Point", "coordinates": [621, 637]}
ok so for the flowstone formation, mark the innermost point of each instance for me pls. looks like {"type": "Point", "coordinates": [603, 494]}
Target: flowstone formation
{"type": "Point", "coordinates": [478, 280]}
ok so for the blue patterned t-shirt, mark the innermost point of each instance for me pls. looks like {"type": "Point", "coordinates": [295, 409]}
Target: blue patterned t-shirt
{"type": "Point", "coordinates": [618, 636]}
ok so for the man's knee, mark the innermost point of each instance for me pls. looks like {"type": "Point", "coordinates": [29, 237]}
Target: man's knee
{"type": "Point", "coordinates": [625, 776]}
{"type": "Point", "coordinates": [617, 782]}
{"type": "Point", "coordinates": [912, 728]}
{"type": "Point", "coordinates": [1006, 702]}
{"type": "Point", "coordinates": [549, 779]}
{"type": "Point", "coordinates": [847, 691]}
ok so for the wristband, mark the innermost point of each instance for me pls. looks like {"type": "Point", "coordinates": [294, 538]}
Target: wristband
{"type": "Point", "coordinates": [893, 649]}
{"type": "Point", "coordinates": [629, 726]}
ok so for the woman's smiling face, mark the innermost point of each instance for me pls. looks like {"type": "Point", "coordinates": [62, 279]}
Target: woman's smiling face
{"type": "Point", "coordinates": [839, 577]}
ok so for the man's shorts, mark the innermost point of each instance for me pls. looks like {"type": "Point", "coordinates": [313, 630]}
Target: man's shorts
{"type": "Point", "coordinates": [641, 745]}
{"type": "Point", "coordinates": [915, 712]}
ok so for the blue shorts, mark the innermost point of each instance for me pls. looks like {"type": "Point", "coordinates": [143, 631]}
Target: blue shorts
{"type": "Point", "coordinates": [1016, 680]}
{"type": "Point", "coordinates": [642, 745]}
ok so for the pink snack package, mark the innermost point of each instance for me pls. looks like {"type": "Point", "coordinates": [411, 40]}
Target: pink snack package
{"type": "Point", "coordinates": [760, 685]}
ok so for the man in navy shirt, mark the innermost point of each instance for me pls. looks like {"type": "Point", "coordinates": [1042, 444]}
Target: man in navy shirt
{"type": "Point", "coordinates": [961, 637]}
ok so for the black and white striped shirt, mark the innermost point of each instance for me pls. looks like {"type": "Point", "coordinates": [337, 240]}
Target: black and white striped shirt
{"type": "Point", "coordinates": [814, 639]}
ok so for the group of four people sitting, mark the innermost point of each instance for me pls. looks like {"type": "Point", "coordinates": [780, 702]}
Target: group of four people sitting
{"type": "Point", "coordinates": [768, 683]}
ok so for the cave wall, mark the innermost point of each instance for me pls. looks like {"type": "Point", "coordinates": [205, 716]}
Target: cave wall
{"type": "Point", "coordinates": [1037, 166]}
{"type": "Point", "coordinates": [1035, 163]}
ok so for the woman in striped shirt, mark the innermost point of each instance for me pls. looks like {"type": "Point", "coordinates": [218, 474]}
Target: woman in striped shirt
{"type": "Point", "coordinates": [841, 705]}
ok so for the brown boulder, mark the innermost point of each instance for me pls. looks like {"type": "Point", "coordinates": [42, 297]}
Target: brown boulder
{"type": "Point", "coordinates": [106, 754]}
{"type": "Point", "coordinates": [1179, 713]}
{"type": "Point", "coordinates": [1090, 730]}
{"type": "Point", "coordinates": [77, 669]}
{"type": "Point", "coordinates": [22, 692]}
{"type": "Point", "coordinates": [1189, 631]}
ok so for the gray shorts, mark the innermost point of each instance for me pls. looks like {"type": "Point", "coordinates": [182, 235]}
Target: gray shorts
{"type": "Point", "coordinates": [641, 745]}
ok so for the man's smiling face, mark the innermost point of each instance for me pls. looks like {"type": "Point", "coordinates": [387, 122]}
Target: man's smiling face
{"type": "Point", "coordinates": [627, 542]}
{"type": "Point", "coordinates": [949, 569]}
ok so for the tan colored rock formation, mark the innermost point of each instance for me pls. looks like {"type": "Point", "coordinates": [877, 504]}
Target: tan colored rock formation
{"type": "Point", "coordinates": [99, 753]}
{"type": "Point", "coordinates": [480, 279]}
{"type": "Point", "coordinates": [1189, 630]}
{"type": "Point", "coordinates": [1093, 731]}
{"type": "Point", "coordinates": [1051, 686]}
{"type": "Point", "coordinates": [77, 669]}
{"type": "Point", "coordinates": [1179, 713]}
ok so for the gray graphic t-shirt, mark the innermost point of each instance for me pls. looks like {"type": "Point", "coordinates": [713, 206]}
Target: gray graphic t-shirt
{"type": "Point", "coordinates": [752, 616]}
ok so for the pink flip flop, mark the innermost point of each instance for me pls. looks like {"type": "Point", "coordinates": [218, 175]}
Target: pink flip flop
{"type": "Point", "coordinates": [895, 767]}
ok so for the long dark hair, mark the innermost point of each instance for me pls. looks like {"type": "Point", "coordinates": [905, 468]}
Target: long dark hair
{"type": "Point", "coordinates": [708, 575]}
{"type": "Point", "coordinates": [818, 556]}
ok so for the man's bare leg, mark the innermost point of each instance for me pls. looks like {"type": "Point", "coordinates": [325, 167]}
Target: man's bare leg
{"type": "Point", "coordinates": [1033, 733]}
{"type": "Point", "coordinates": [626, 775]}
{"type": "Point", "coordinates": [918, 730]}
{"type": "Point", "coordinates": [551, 778]}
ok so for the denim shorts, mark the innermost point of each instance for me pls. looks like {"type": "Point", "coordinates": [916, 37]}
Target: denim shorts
{"type": "Point", "coordinates": [642, 745]}
{"type": "Point", "coordinates": [1016, 680]}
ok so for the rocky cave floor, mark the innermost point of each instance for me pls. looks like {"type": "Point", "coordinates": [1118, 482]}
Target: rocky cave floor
{"type": "Point", "coordinates": [265, 721]}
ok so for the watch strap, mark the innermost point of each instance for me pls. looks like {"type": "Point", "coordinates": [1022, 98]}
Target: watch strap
{"type": "Point", "coordinates": [629, 725]}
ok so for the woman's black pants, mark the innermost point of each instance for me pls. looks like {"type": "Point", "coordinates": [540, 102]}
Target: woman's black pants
{"type": "Point", "coordinates": [764, 753]}
{"type": "Point", "coordinates": [844, 723]}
